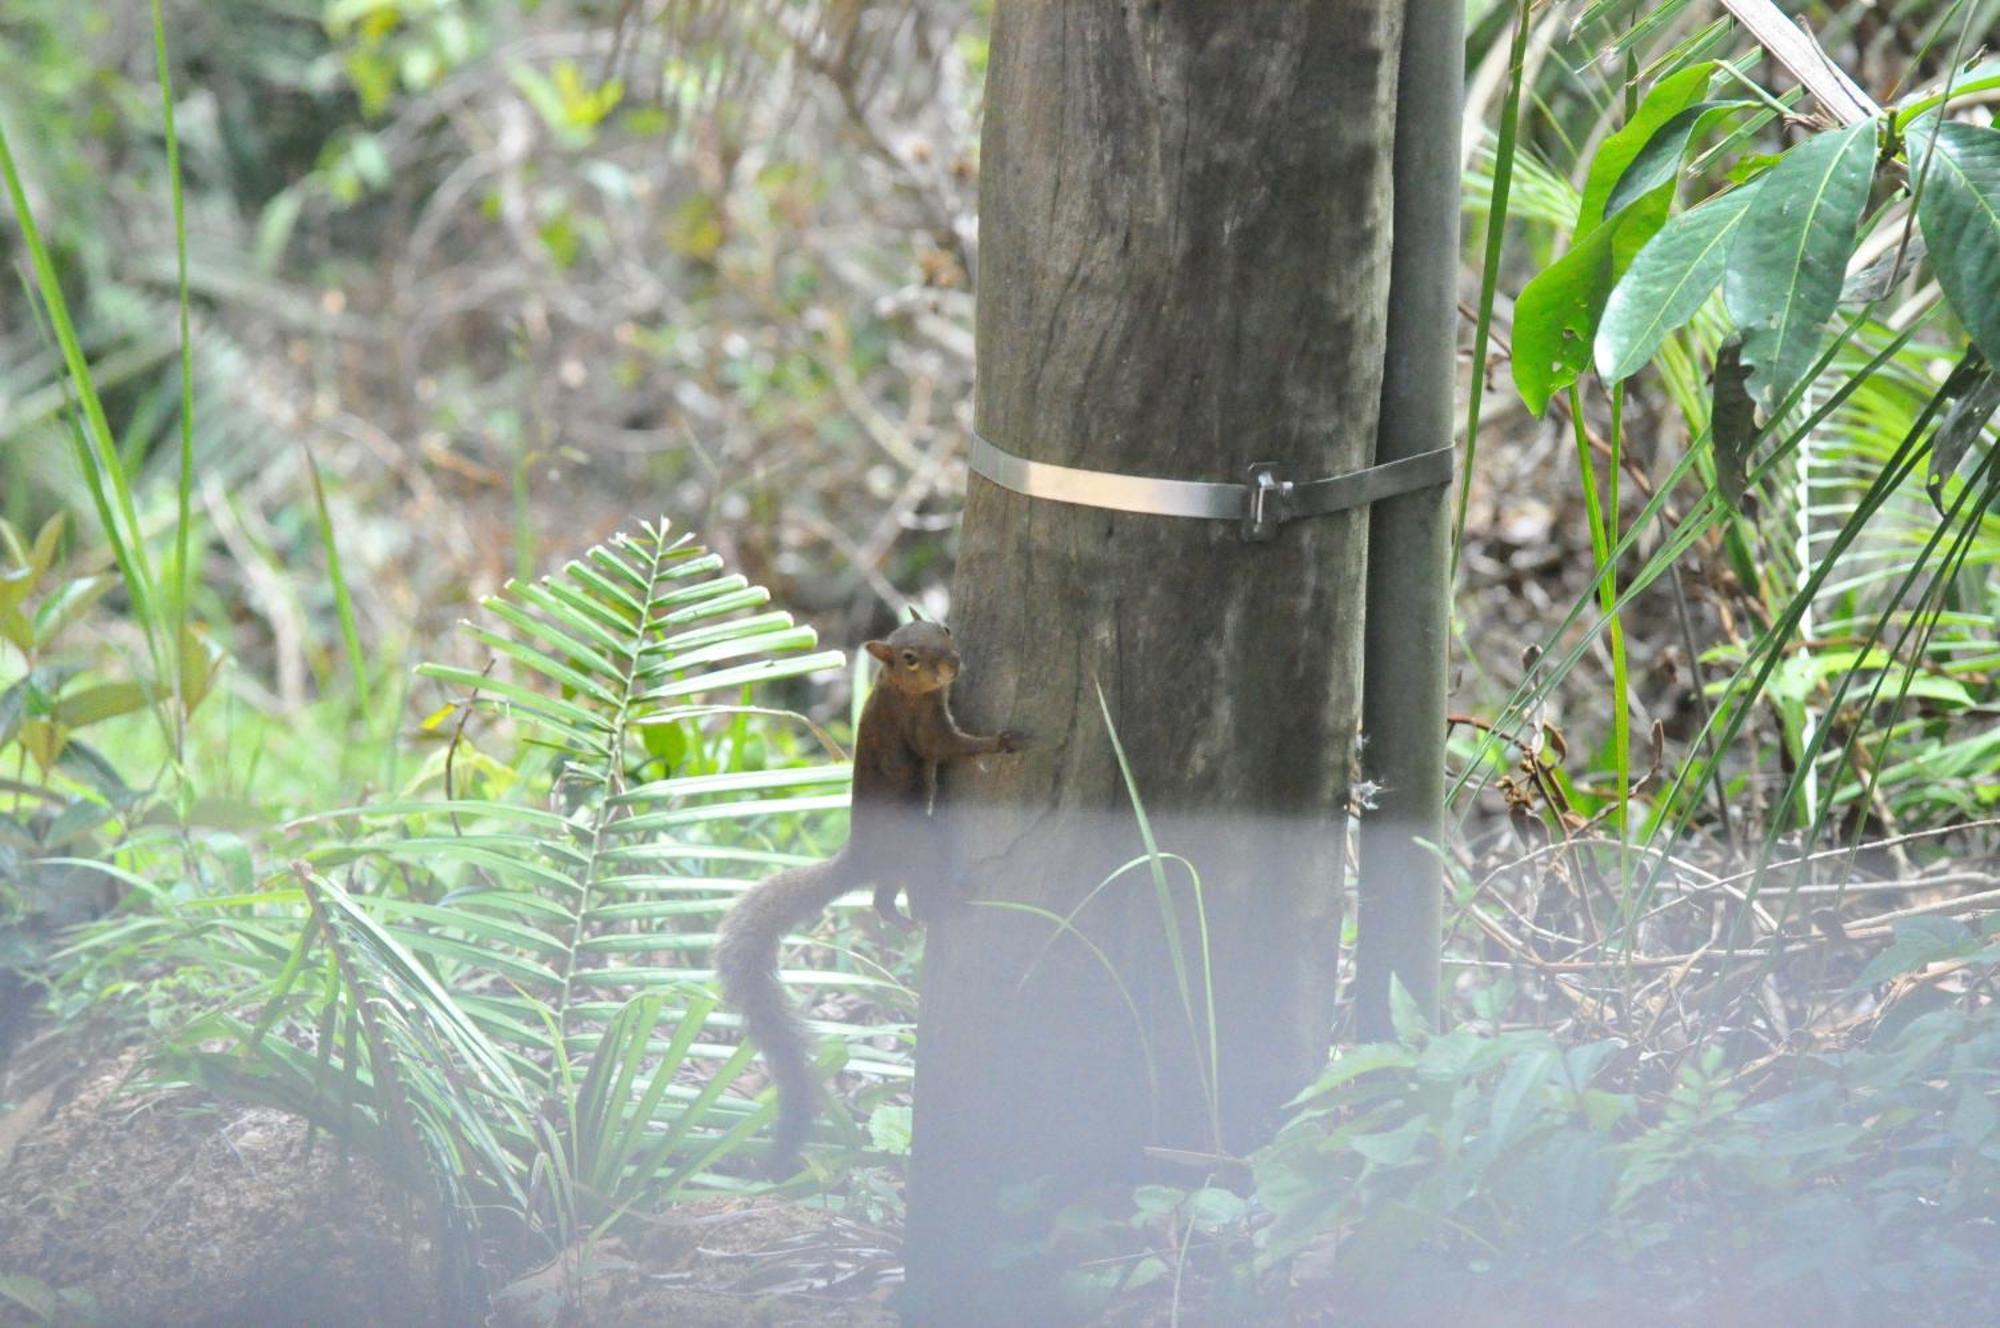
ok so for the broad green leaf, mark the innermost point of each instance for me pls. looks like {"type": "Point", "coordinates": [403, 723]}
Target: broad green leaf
{"type": "Point", "coordinates": [701, 636]}
{"type": "Point", "coordinates": [1556, 317]}
{"type": "Point", "coordinates": [576, 680]}
{"type": "Point", "coordinates": [1513, 1107]}
{"type": "Point", "coordinates": [736, 781]}
{"type": "Point", "coordinates": [1392, 1148]}
{"type": "Point", "coordinates": [712, 598]}
{"type": "Point", "coordinates": [1557, 314]}
{"type": "Point", "coordinates": [1659, 161]}
{"type": "Point", "coordinates": [1959, 210]}
{"type": "Point", "coordinates": [573, 719]}
{"type": "Point", "coordinates": [1410, 1021]}
{"type": "Point", "coordinates": [1973, 1116]}
{"type": "Point", "coordinates": [1667, 99]}
{"type": "Point", "coordinates": [1212, 1208]}
{"type": "Point", "coordinates": [764, 671]}
{"type": "Point", "coordinates": [790, 638]}
{"type": "Point", "coordinates": [1964, 421]}
{"type": "Point", "coordinates": [1785, 269]}
{"type": "Point", "coordinates": [1919, 941]}
{"type": "Point", "coordinates": [104, 701]}
{"type": "Point", "coordinates": [1962, 424]}
{"type": "Point", "coordinates": [1981, 78]}
{"type": "Point", "coordinates": [1667, 283]}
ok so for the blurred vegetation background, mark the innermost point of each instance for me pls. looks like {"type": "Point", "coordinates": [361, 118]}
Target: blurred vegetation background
{"type": "Point", "coordinates": [472, 287]}
{"type": "Point", "coordinates": [510, 276]}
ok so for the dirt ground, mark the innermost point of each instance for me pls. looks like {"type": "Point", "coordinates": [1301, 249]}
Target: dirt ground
{"type": "Point", "coordinates": [167, 1208]}
{"type": "Point", "coordinates": [720, 1263]}
{"type": "Point", "coordinates": [131, 1207]}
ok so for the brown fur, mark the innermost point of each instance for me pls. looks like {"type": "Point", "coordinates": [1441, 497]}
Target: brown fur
{"type": "Point", "coordinates": [906, 732]}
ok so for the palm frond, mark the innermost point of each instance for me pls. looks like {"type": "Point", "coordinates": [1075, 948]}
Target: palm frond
{"type": "Point", "coordinates": [490, 955]}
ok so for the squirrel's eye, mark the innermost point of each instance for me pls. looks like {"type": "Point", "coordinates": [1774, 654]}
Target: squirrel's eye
{"type": "Point", "coordinates": [910, 658]}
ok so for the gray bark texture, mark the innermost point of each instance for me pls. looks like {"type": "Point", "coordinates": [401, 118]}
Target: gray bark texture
{"type": "Point", "coordinates": [1184, 266]}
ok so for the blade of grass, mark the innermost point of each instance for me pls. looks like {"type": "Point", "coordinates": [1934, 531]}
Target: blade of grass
{"type": "Point", "coordinates": [101, 450]}
{"type": "Point", "coordinates": [1210, 1069]}
{"type": "Point", "coordinates": [184, 497]}
{"type": "Point", "coordinates": [343, 600]}
{"type": "Point", "coordinates": [1489, 276]}
{"type": "Point", "coordinates": [1601, 514]}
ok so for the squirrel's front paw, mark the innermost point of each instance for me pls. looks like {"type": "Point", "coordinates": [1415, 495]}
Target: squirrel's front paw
{"type": "Point", "coordinates": [1013, 740]}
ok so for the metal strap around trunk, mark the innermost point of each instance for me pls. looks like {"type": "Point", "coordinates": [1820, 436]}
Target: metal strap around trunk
{"type": "Point", "coordinates": [1265, 499]}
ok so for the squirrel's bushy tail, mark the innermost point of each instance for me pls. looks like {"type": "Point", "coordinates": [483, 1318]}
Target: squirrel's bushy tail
{"type": "Point", "coordinates": [746, 961]}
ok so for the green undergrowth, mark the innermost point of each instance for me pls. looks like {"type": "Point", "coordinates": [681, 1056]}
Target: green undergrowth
{"type": "Point", "coordinates": [1477, 1175]}
{"type": "Point", "coordinates": [491, 977]}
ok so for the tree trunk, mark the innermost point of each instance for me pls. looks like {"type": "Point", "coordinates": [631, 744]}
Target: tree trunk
{"type": "Point", "coordinates": [1185, 217]}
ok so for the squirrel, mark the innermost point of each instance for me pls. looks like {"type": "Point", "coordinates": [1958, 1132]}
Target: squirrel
{"type": "Point", "coordinates": [906, 732]}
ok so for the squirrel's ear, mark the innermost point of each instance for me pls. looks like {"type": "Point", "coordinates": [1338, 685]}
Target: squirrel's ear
{"type": "Point", "coordinates": [881, 651]}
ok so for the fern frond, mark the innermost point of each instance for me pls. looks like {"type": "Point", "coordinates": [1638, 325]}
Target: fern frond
{"type": "Point", "coordinates": [535, 977]}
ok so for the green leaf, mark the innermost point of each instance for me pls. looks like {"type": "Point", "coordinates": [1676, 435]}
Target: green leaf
{"type": "Point", "coordinates": [31, 1294]}
{"type": "Point", "coordinates": [1405, 1014]}
{"type": "Point", "coordinates": [85, 763]}
{"type": "Point", "coordinates": [68, 603]}
{"type": "Point", "coordinates": [1211, 1208]}
{"type": "Point", "coordinates": [104, 701]}
{"type": "Point", "coordinates": [664, 741]}
{"type": "Point", "coordinates": [1350, 1063]}
{"type": "Point", "coordinates": [1962, 423]}
{"type": "Point", "coordinates": [1959, 210]}
{"type": "Point", "coordinates": [1556, 316]}
{"type": "Point", "coordinates": [47, 539]}
{"type": "Point", "coordinates": [1608, 168]}
{"type": "Point", "coordinates": [1980, 78]}
{"type": "Point", "coordinates": [13, 709]}
{"type": "Point", "coordinates": [1659, 161]}
{"type": "Point", "coordinates": [15, 629]}
{"type": "Point", "coordinates": [1973, 1117]}
{"type": "Point", "coordinates": [1606, 1111]}
{"type": "Point", "coordinates": [200, 660]}
{"type": "Point", "coordinates": [1785, 269]}
{"type": "Point", "coordinates": [1513, 1106]}
{"type": "Point", "coordinates": [1392, 1148]}
{"type": "Point", "coordinates": [889, 1129]}
{"type": "Point", "coordinates": [1667, 283]}
{"type": "Point", "coordinates": [1920, 941]}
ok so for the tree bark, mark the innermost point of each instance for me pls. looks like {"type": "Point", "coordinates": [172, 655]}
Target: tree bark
{"type": "Point", "coordinates": [1185, 227]}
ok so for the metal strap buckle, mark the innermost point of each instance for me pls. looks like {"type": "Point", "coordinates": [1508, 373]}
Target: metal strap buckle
{"type": "Point", "coordinates": [1266, 499]}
